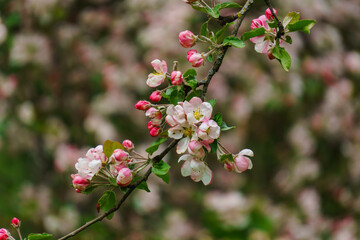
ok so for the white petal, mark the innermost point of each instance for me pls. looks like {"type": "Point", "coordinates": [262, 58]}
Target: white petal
{"type": "Point", "coordinates": [207, 176]}
{"type": "Point", "coordinates": [186, 169]}
{"type": "Point", "coordinates": [206, 110]}
{"type": "Point", "coordinates": [182, 145]}
{"type": "Point", "coordinates": [246, 152]}
{"type": "Point", "coordinates": [170, 121]}
{"type": "Point", "coordinates": [250, 163]}
{"type": "Point", "coordinates": [154, 80]}
{"type": "Point", "coordinates": [186, 157]}
{"type": "Point", "coordinates": [157, 65]}
{"type": "Point", "coordinates": [188, 107]}
{"type": "Point", "coordinates": [196, 102]}
{"type": "Point", "coordinates": [175, 132]}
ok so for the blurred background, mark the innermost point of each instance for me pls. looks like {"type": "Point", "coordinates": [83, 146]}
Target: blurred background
{"type": "Point", "coordinates": [72, 70]}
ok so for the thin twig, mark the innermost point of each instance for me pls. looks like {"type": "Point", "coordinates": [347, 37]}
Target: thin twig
{"type": "Point", "coordinates": [281, 31]}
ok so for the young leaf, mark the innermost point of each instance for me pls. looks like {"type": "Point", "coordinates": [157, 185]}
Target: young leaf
{"type": "Point", "coordinates": [204, 29]}
{"type": "Point", "coordinates": [214, 146]}
{"type": "Point", "coordinates": [143, 186]}
{"type": "Point", "coordinates": [206, 10]}
{"type": "Point", "coordinates": [225, 127]}
{"type": "Point", "coordinates": [291, 17]}
{"type": "Point", "coordinates": [165, 178]}
{"type": "Point", "coordinates": [155, 145]}
{"type": "Point", "coordinates": [212, 102]}
{"type": "Point", "coordinates": [253, 33]}
{"type": "Point", "coordinates": [227, 157]}
{"type": "Point", "coordinates": [288, 39]}
{"type": "Point", "coordinates": [89, 190]}
{"type": "Point", "coordinates": [219, 33]}
{"type": "Point", "coordinates": [218, 7]}
{"type": "Point", "coordinates": [282, 56]}
{"type": "Point", "coordinates": [189, 72]}
{"type": "Point", "coordinates": [107, 201]}
{"type": "Point", "coordinates": [40, 236]}
{"type": "Point", "coordinates": [192, 83]}
{"type": "Point", "coordinates": [161, 170]}
{"type": "Point", "coordinates": [110, 146]}
{"type": "Point", "coordinates": [234, 41]}
{"type": "Point", "coordinates": [218, 118]}
{"type": "Point", "coordinates": [302, 25]}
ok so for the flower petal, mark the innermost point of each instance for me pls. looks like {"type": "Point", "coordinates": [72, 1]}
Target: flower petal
{"type": "Point", "coordinates": [186, 169]}
{"type": "Point", "coordinates": [207, 176]}
{"type": "Point", "coordinates": [246, 152]}
{"type": "Point", "coordinates": [182, 145]}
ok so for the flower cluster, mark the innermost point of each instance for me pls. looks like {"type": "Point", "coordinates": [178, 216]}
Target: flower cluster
{"type": "Point", "coordinates": [119, 166]}
{"type": "Point", "coordinates": [5, 234]}
{"type": "Point", "coordinates": [265, 43]}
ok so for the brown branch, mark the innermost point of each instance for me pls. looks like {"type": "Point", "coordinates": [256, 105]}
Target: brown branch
{"type": "Point", "coordinates": [158, 158]}
{"type": "Point", "coordinates": [281, 31]}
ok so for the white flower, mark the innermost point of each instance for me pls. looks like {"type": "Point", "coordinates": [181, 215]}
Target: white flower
{"type": "Point", "coordinates": [196, 169]}
{"type": "Point", "coordinates": [175, 115]}
{"type": "Point", "coordinates": [96, 154]}
{"type": "Point", "coordinates": [187, 132]}
{"type": "Point", "coordinates": [87, 168]}
{"type": "Point", "coordinates": [197, 111]}
{"type": "Point", "coordinates": [208, 131]}
{"type": "Point", "coordinates": [158, 77]}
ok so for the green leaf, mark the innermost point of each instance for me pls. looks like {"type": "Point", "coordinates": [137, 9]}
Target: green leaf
{"type": "Point", "coordinates": [221, 32]}
{"type": "Point", "coordinates": [192, 83]}
{"type": "Point", "coordinates": [89, 190]}
{"type": "Point", "coordinates": [212, 102]}
{"type": "Point", "coordinates": [290, 18]}
{"type": "Point", "coordinates": [288, 39]}
{"type": "Point", "coordinates": [177, 96]}
{"type": "Point", "coordinates": [143, 186]}
{"type": "Point", "coordinates": [42, 236]}
{"type": "Point", "coordinates": [204, 29]}
{"type": "Point", "coordinates": [253, 33]}
{"type": "Point", "coordinates": [113, 182]}
{"type": "Point", "coordinates": [161, 170]}
{"type": "Point", "coordinates": [225, 157]}
{"type": "Point", "coordinates": [194, 93]}
{"type": "Point", "coordinates": [218, 7]}
{"type": "Point", "coordinates": [218, 118]}
{"type": "Point", "coordinates": [203, 9]}
{"type": "Point", "coordinates": [189, 72]}
{"type": "Point", "coordinates": [107, 202]}
{"type": "Point", "coordinates": [273, 24]}
{"type": "Point", "coordinates": [224, 127]}
{"type": "Point", "coordinates": [110, 146]}
{"type": "Point", "coordinates": [282, 56]}
{"type": "Point", "coordinates": [214, 146]}
{"type": "Point", "coordinates": [302, 25]}
{"type": "Point", "coordinates": [155, 145]}
{"type": "Point", "coordinates": [234, 41]}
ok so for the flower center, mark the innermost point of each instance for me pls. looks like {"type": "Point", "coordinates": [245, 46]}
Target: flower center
{"type": "Point", "coordinates": [197, 114]}
{"type": "Point", "coordinates": [187, 132]}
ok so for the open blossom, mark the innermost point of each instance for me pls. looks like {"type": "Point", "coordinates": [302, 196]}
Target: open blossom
{"type": "Point", "coordinates": [96, 154]}
{"type": "Point", "coordinates": [124, 177]}
{"type": "Point", "coordinates": [79, 183]}
{"type": "Point", "coordinates": [196, 169]}
{"type": "Point", "coordinates": [185, 132]}
{"type": "Point", "coordinates": [175, 115]}
{"type": "Point", "coordinates": [196, 59]}
{"type": "Point", "coordinates": [176, 78]}
{"type": "Point", "coordinates": [242, 162]}
{"type": "Point", "coordinates": [196, 149]}
{"type": "Point", "coordinates": [87, 168]}
{"type": "Point", "coordinates": [187, 39]}
{"type": "Point", "coordinates": [4, 234]}
{"type": "Point", "coordinates": [158, 77]}
{"type": "Point", "coordinates": [196, 110]}
{"type": "Point", "coordinates": [208, 131]}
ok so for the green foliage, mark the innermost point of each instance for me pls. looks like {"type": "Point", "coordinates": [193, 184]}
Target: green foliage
{"type": "Point", "coordinates": [214, 146]}
{"type": "Point", "coordinates": [302, 25]}
{"type": "Point", "coordinates": [225, 157]}
{"type": "Point", "coordinates": [282, 56]}
{"type": "Point", "coordinates": [40, 236]}
{"type": "Point", "coordinates": [143, 186]}
{"type": "Point", "coordinates": [155, 145]}
{"type": "Point", "coordinates": [204, 31]}
{"type": "Point", "coordinates": [107, 202]}
{"type": "Point", "coordinates": [218, 118]}
{"type": "Point", "coordinates": [218, 7]}
{"type": "Point", "coordinates": [234, 41]}
{"type": "Point", "coordinates": [219, 34]}
{"type": "Point", "coordinates": [212, 102]}
{"type": "Point", "coordinates": [109, 147]}
{"type": "Point", "coordinates": [253, 33]}
{"type": "Point", "coordinates": [225, 127]}
{"type": "Point", "coordinates": [189, 78]}
{"type": "Point", "coordinates": [161, 170]}
{"type": "Point", "coordinates": [291, 18]}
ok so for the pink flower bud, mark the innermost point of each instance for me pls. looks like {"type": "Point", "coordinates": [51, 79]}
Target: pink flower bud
{"type": "Point", "coordinates": [4, 234]}
{"type": "Point", "coordinates": [229, 166]}
{"type": "Point", "coordinates": [124, 177]}
{"type": "Point", "coordinates": [15, 222]}
{"type": "Point", "coordinates": [79, 183]}
{"type": "Point", "coordinates": [150, 125]}
{"type": "Point", "coordinates": [196, 59]}
{"type": "Point", "coordinates": [155, 96]}
{"type": "Point", "coordinates": [155, 131]}
{"type": "Point", "coordinates": [152, 112]}
{"type": "Point", "coordinates": [142, 105]}
{"type": "Point", "coordinates": [241, 163]}
{"type": "Point", "coordinates": [187, 39]}
{"type": "Point", "coordinates": [269, 15]}
{"type": "Point", "coordinates": [128, 145]}
{"type": "Point", "coordinates": [156, 121]}
{"type": "Point", "coordinates": [176, 78]}
{"type": "Point", "coordinates": [121, 155]}
{"type": "Point", "coordinates": [196, 149]}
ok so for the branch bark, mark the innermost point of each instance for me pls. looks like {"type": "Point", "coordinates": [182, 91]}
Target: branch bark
{"type": "Point", "coordinates": [159, 157]}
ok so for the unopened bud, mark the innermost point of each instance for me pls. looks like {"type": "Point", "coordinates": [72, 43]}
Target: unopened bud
{"type": "Point", "coordinates": [155, 96]}
{"type": "Point", "coordinates": [187, 39]}
{"type": "Point", "coordinates": [120, 155]}
{"type": "Point", "coordinates": [124, 177]}
{"type": "Point", "coordinates": [15, 223]}
{"type": "Point", "coordinates": [142, 105]}
{"type": "Point", "coordinates": [128, 145]}
{"type": "Point", "coordinates": [176, 78]}
{"type": "Point", "coordinates": [155, 131]}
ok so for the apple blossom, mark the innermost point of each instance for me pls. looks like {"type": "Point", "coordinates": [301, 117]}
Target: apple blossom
{"type": "Point", "coordinates": [196, 59]}
{"type": "Point", "coordinates": [208, 130]}
{"type": "Point", "coordinates": [142, 105]}
{"type": "Point", "coordinates": [155, 96]}
{"type": "Point", "coordinates": [155, 131]}
{"type": "Point", "coordinates": [79, 183]}
{"type": "Point", "coordinates": [242, 162]}
{"type": "Point", "coordinates": [15, 222]}
{"type": "Point", "coordinates": [124, 177]}
{"type": "Point", "coordinates": [187, 132]}
{"type": "Point", "coordinates": [158, 77]}
{"type": "Point", "coordinates": [128, 145]}
{"type": "Point", "coordinates": [262, 43]}
{"type": "Point", "coordinates": [96, 154]}
{"type": "Point", "coordinates": [120, 155]}
{"type": "Point", "coordinates": [196, 110]}
{"type": "Point", "coordinates": [176, 78]}
{"type": "Point", "coordinates": [150, 125]}
{"type": "Point", "coordinates": [196, 169]}
{"type": "Point", "coordinates": [152, 112]}
{"type": "Point", "coordinates": [4, 234]}
{"type": "Point", "coordinates": [187, 39]}
{"type": "Point", "coordinates": [175, 115]}
{"type": "Point", "coordinates": [87, 168]}
{"type": "Point", "coordinates": [156, 121]}
{"type": "Point", "coordinates": [269, 15]}
{"type": "Point", "coordinates": [196, 149]}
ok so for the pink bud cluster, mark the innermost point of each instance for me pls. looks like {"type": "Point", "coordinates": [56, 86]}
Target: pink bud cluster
{"type": "Point", "coordinates": [187, 39]}
{"type": "Point", "coordinates": [95, 163]}
{"type": "Point", "coordinates": [4, 234]}
{"type": "Point", "coordinates": [265, 43]}
{"type": "Point", "coordinates": [155, 122]}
